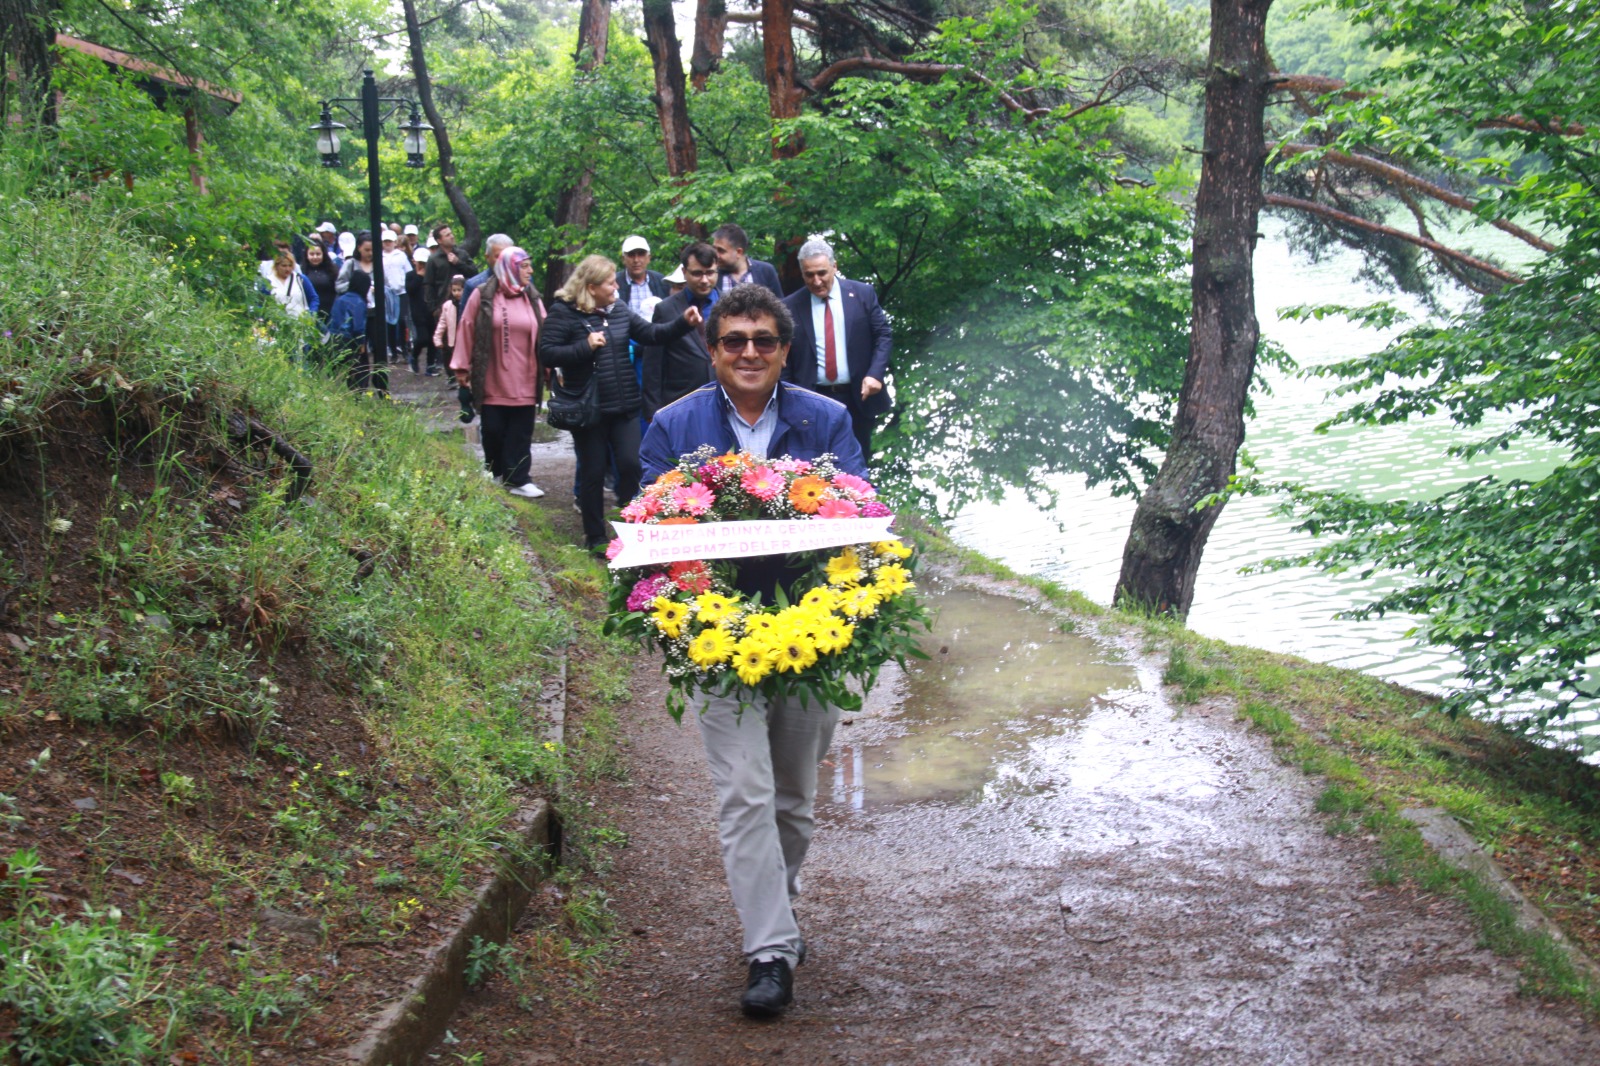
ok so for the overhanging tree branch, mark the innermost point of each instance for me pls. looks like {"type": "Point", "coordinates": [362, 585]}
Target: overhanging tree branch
{"type": "Point", "coordinates": [1345, 218]}
{"type": "Point", "coordinates": [472, 233]}
{"type": "Point", "coordinates": [1403, 177]}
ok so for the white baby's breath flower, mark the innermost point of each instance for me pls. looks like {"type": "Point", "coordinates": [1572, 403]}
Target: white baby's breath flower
{"type": "Point", "coordinates": [60, 525]}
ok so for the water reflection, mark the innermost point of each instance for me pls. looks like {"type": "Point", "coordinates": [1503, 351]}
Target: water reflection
{"type": "Point", "coordinates": [955, 728]}
{"type": "Point", "coordinates": [1080, 543]}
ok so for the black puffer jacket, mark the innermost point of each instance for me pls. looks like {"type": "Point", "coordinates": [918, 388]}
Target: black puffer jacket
{"type": "Point", "coordinates": [564, 345]}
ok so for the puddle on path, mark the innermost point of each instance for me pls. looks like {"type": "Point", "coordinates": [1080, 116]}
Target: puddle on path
{"type": "Point", "coordinates": [956, 727]}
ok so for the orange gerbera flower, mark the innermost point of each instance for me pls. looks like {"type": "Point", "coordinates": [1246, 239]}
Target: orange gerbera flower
{"type": "Point", "coordinates": [672, 477]}
{"type": "Point", "coordinates": [729, 459]}
{"type": "Point", "coordinates": [680, 520]}
{"type": "Point", "coordinates": [806, 494]}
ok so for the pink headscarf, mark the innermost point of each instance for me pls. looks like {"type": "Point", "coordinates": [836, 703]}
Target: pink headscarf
{"type": "Point", "coordinates": [508, 270]}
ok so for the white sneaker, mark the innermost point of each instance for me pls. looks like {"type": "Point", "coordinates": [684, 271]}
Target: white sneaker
{"type": "Point", "coordinates": [529, 491]}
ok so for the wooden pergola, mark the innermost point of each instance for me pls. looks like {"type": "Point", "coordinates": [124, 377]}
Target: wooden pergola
{"type": "Point", "coordinates": [163, 85]}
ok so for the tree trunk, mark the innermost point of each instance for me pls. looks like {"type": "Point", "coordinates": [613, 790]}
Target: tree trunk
{"type": "Point", "coordinates": [783, 101]}
{"type": "Point", "coordinates": [1168, 534]}
{"type": "Point", "coordinates": [577, 202]}
{"type": "Point", "coordinates": [471, 231]}
{"type": "Point", "coordinates": [27, 30]}
{"type": "Point", "coordinates": [710, 22]}
{"type": "Point", "coordinates": [671, 106]}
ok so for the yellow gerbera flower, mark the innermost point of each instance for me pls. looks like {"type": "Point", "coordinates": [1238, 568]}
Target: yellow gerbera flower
{"type": "Point", "coordinates": [714, 645]}
{"type": "Point", "coordinates": [794, 653]}
{"type": "Point", "coordinates": [821, 598]}
{"type": "Point", "coordinates": [753, 659]}
{"type": "Point", "coordinates": [892, 549]}
{"type": "Point", "coordinates": [670, 615]}
{"type": "Point", "coordinates": [845, 568]}
{"type": "Point", "coordinates": [714, 607]}
{"type": "Point", "coordinates": [892, 580]}
{"type": "Point", "coordinates": [860, 601]}
{"type": "Point", "coordinates": [834, 634]}
{"type": "Point", "coordinates": [763, 627]}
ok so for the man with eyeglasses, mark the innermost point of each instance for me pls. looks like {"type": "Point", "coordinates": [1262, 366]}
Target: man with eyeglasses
{"type": "Point", "coordinates": [763, 755]}
{"type": "Point", "coordinates": [667, 373]}
{"type": "Point", "coordinates": [842, 340]}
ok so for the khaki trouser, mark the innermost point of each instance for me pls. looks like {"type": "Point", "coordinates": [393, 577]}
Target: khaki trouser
{"type": "Point", "coordinates": [764, 766]}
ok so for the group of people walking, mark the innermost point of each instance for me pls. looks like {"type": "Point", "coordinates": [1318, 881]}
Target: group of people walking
{"type": "Point", "coordinates": [630, 340]}
{"type": "Point", "coordinates": [653, 365]}
{"type": "Point", "coordinates": [334, 276]}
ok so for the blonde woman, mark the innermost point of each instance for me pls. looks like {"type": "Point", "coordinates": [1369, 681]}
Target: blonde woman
{"type": "Point", "coordinates": [586, 336]}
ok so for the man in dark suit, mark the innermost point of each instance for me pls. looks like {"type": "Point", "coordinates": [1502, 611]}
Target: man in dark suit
{"type": "Point", "coordinates": [736, 267]}
{"type": "Point", "coordinates": [637, 284]}
{"type": "Point", "coordinates": [842, 340]}
{"type": "Point", "coordinates": [681, 366]}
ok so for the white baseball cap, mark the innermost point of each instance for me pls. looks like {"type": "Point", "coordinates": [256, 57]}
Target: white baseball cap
{"type": "Point", "coordinates": [327, 227]}
{"type": "Point", "coordinates": [433, 242]}
{"type": "Point", "coordinates": [388, 235]}
{"type": "Point", "coordinates": [411, 230]}
{"type": "Point", "coordinates": [420, 255]}
{"type": "Point", "coordinates": [635, 243]}
{"type": "Point", "coordinates": [676, 277]}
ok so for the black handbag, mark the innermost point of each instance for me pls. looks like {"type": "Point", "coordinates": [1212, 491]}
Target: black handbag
{"type": "Point", "coordinates": [573, 408]}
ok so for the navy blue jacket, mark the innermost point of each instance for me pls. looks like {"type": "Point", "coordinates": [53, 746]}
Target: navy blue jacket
{"type": "Point", "coordinates": [868, 339]}
{"type": "Point", "coordinates": [349, 316]}
{"type": "Point", "coordinates": [762, 273]}
{"type": "Point", "coordinates": [809, 425]}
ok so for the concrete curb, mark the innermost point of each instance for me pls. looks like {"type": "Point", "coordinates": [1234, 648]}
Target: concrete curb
{"type": "Point", "coordinates": [1441, 832]}
{"type": "Point", "coordinates": [403, 1033]}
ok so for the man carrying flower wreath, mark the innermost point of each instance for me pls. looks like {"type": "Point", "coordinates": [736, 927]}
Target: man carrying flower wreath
{"type": "Point", "coordinates": [762, 753]}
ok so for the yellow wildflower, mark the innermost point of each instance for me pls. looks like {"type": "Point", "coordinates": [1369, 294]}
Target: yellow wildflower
{"type": "Point", "coordinates": [752, 659]}
{"type": "Point", "coordinates": [670, 615]}
{"type": "Point", "coordinates": [714, 645]}
{"type": "Point", "coordinates": [714, 607]}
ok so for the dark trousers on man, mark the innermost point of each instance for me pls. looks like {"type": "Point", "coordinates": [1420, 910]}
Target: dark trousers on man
{"type": "Point", "coordinates": [507, 434]}
{"type": "Point", "coordinates": [860, 421]}
{"type": "Point", "coordinates": [619, 433]}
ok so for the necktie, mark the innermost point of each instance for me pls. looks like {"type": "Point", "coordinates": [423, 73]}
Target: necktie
{"type": "Point", "coordinates": [830, 347]}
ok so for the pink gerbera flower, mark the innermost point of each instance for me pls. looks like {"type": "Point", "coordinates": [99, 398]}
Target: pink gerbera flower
{"type": "Point", "coordinates": [614, 549]}
{"type": "Point", "coordinates": [851, 483]}
{"type": "Point", "coordinates": [763, 482]}
{"type": "Point", "coordinates": [874, 509]}
{"type": "Point", "coordinates": [693, 499]}
{"type": "Point", "coordinates": [642, 509]}
{"type": "Point", "coordinates": [837, 509]}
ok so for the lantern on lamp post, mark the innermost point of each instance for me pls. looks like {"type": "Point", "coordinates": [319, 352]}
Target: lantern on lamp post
{"type": "Point", "coordinates": [375, 110]}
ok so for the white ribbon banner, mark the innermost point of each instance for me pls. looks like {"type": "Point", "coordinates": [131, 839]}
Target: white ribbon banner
{"type": "Point", "coordinates": [647, 545]}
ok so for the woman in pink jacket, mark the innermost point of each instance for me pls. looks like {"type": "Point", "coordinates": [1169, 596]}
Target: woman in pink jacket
{"type": "Point", "coordinates": [495, 356]}
{"type": "Point", "coordinates": [444, 334]}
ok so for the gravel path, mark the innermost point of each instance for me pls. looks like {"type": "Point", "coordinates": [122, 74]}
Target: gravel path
{"type": "Point", "coordinates": [1026, 854]}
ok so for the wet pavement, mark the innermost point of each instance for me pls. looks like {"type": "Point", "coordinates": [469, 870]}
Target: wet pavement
{"type": "Point", "coordinates": [1027, 854]}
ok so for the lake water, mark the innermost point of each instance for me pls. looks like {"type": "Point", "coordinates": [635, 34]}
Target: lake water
{"type": "Point", "coordinates": [1079, 543]}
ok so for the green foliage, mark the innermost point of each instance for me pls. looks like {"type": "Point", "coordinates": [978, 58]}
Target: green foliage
{"type": "Point", "coordinates": [1039, 305]}
{"type": "Point", "coordinates": [1507, 572]}
{"type": "Point", "coordinates": [79, 988]}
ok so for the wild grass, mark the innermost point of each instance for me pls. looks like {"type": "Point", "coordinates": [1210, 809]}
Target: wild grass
{"type": "Point", "coordinates": [400, 570]}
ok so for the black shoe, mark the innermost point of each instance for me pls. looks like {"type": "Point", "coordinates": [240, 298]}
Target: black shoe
{"type": "Point", "coordinates": [800, 955]}
{"type": "Point", "coordinates": [768, 990]}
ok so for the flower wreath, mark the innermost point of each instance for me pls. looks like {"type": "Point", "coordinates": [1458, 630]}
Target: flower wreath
{"type": "Point", "coordinates": [844, 613]}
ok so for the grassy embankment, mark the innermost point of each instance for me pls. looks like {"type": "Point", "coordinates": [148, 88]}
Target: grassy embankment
{"type": "Point", "coordinates": [1379, 748]}
{"type": "Point", "coordinates": [255, 744]}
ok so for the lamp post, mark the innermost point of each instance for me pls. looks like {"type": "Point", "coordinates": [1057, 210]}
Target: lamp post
{"type": "Point", "coordinates": [375, 110]}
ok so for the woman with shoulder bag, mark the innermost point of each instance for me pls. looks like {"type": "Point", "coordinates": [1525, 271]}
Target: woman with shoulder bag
{"type": "Point", "coordinates": [496, 356]}
{"type": "Point", "coordinates": [586, 339]}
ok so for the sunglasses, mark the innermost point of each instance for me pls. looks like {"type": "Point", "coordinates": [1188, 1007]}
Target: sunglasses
{"type": "Point", "coordinates": [734, 343]}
